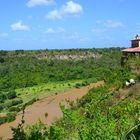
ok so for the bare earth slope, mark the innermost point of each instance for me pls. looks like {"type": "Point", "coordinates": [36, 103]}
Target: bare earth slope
{"type": "Point", "coordinates": [50, 105]}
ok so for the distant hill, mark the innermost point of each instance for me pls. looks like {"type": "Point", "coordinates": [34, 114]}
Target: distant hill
{"type": "Point", "coordinates": [27, 68]}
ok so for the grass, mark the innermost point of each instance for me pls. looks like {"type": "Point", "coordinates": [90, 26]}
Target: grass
{"type": "Point", "coordinates": [40, 91]}
{"type": "Point", "coordinates": [31, 94]}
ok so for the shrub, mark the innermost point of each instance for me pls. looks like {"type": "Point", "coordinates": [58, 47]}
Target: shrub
{"type": "Point", "coordinates": [1, 107]}
{"type": "Point", "coordinates": [3, 120]}
{"type": "Point", "coordinates": [8, 104]}
{"type": "Point", "coordinates": [8, 118]}
{"type": "Point", "coordinates": [1, 60]}
{"type": "Point", "coordinates": [2, 97]}
{"type": "Point", "coordinates": [14, 108]}
{"type": "Point", "coordinates": [11, 117]}
{"type": "Point", "coordinates": [77, 85]}
{"type": "Point", "coordinates": [84, 83]}
{"type": "Point", "coordinates": [11, 94]}
{"type": "Point", "coordinates": [16, 102]}
{"type": "Point", "coordinates": [46, 114]}
{"type": "Point", "coordinates": [31, 102]}
{"type": "Point", "coordinates": [138, 77]}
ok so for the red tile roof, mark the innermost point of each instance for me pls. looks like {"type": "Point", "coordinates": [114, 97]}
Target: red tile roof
{"type": "Point", "coordinates": [137, 49]}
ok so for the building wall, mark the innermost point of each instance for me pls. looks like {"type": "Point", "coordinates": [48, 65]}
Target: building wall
{"type": "Point", "coordinates": [135, 43]}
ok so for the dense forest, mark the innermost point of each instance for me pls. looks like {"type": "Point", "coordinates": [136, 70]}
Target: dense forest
{"type": "Point", "coordinates": [106, 112]}
{"type": "Point", "coordinates": [27, 68]}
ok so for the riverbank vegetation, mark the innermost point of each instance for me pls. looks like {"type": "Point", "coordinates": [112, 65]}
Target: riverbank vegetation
{"type": "Point", "coordinates": [30, 75]}
{"type": "Point", "coordinates": [107, 112]}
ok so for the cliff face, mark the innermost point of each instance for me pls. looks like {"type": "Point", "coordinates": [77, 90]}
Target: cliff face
{"type": "Point", "coordinates": [135, 69]}
{"type": "Point", "coordinates": [133, 64]}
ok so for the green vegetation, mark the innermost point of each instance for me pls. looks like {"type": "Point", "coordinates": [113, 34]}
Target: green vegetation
{"type": "Point", "coordinates": [14, 101]}
{"type": "Point", "coordinates": [9, 105]}
{"type": "Point", "coordinates": [30, 73]}
{"type": "Point", "coordinates": [42, 90]}
{"type": "Point", "coordinates": [133, 63]}
{"type": "Point", "coordinates": [21, 69]}
{"type": "Point", "coordinates": [103, 113]}
{"type": "Point", "coordinates": [107, 112]}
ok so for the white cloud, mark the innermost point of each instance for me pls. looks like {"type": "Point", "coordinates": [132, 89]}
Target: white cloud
{"type": "Point", "coordinates": [4, 34]}
{"type": "Point", "coordinates": [52, 31]}
{"type": "Point", "coordinates": [54, 15]}
{"type": "Point", "coordinates": [19, 26]}
{"type": "Point", "coordinates": [60, 29]}
{"type": "Point", "coordinates": [104, 26]}
{"type": "Point", "coordinates": [33, 3]}
{"type": "Point", "coordinates": [113, 24]}
{"type": "Point", "coordinates": [109, 24]}
{"type": "Point", "coordinates": [69, 9]}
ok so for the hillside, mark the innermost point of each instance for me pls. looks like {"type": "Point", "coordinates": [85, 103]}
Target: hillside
{"type": "Point", "coordinates": [26, 76]}
{"type": "Point", "coordinates": [133, 63]}
{"type": "Point", "coordinates": [46, 109]}
{"type": "Point", "coordinates": [107, 112]}
{"type": "Point", "coordinates": [28, 68]}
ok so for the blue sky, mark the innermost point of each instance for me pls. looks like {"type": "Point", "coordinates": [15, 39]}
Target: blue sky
{"type": "Point", "coordinates": [58, 24]}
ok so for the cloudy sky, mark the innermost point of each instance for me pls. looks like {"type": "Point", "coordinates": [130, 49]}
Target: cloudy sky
{"type": "Point", "coordinates": [58, 24]}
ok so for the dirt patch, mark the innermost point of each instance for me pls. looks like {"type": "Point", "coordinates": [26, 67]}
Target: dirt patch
{"type": "Point", "coordinates": [37, 110]}
{"type": "Point", "coordinates": [127, 92]}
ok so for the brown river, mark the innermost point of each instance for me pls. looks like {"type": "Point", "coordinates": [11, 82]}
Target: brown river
{"type": "Point", "coordinates": [49, 104]}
